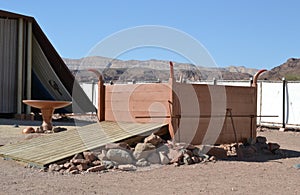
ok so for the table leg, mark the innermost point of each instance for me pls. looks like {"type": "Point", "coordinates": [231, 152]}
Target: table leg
{"type": "Point", "coordinates": [47, 118]}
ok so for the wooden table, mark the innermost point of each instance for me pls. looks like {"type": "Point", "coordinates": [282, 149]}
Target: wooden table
{"type": "Point", "coordinates": [47, 108]}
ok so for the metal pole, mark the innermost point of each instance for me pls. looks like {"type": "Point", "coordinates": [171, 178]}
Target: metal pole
{"type": "Point", "coordinates": [29, 65]}
{"type": "Point", "coordinates": [214, 81]}
{"type": "Point", "coordinates": [20, 67]}
{"type": "Point", "coordinates": [93, 89]}
{"type": "Point", "coordinates": [283, 101]}
{"type": "Point", "coordinates": [260, 104]}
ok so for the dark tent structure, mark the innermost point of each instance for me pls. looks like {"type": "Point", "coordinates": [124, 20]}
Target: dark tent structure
{"type": "Point", "coordinates": [31, 68]}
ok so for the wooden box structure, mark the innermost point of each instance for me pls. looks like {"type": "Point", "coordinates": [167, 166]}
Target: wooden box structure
{"type": "Point", "coordinates": [195, 113]}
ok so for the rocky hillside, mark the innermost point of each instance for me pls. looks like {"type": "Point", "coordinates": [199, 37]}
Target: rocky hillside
{"type": "Point", "coordinates": [151, 70]}
{"type": "Point", "coordinates": [290, 70]}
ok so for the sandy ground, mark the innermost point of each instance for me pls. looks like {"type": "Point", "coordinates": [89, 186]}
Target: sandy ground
{"type": "Point", "coordinates": [276, 176]}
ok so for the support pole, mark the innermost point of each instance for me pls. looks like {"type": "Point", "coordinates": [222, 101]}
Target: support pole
{"type": "Point", "coordinates": [29, 65]}
{"type": "Point", "coordinates": [214, 81]}
{"type": "Point", "coordinates": [101, 96]}
{"type": "Point", "coordinates": [173, 122]}
{"type": "Point", "coordinates": [20, 67]}
{"type": "Point", "coordinates": [101, 100]}
{"type": "Point", "coordinates": [283, 102]}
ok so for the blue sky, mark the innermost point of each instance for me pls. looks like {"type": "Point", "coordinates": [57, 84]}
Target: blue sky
{"type": "Point", "coordinates": [256, 33]}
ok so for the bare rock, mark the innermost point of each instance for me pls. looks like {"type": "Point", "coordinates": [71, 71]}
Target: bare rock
{"type": "Point", "coordinates": [177, 156]}
{"type": "Point", "coordinates": [58, 129]}
{"type": "Point", "coordinates": [141, 155]}
{"type": "Point", "coordinates": [176, 164]}
{"type": "Point", "coordinates": [142, 163]}
{"type": "Point", "coordinates": [89, 156]}
{"type": "Point", "coordinates": [143, 150]}
{"type": "Point", "coordinates": [108, 164]}
{"type": "Point", "coordinates": [246, 152]}
{"type": "Point", "coordinates": [187, 159]}
{"type": "Point", "coordinates": [54, 167]}
{"type": "Point", "coordinates": [67, 165]}
{"type": "Point", "coordinates": [213, 159]}
{"type": "Point", "coordinates": [218, 152]}
{"type": "Point", "coordinates": [127, 167]}
{"type": "Point", "coordinates": [39, 130]}
{"type": "Point", "coordinates": [154, 158]}
{"type": "Point", "coordinates": [102, 155]}
{"type": "Point", "coordinates": [74, 172]}
{"type": "Point", "coordinates": [121, 145]}
{"type": "Point", "coordinates": [163, 148]}
{"type": "Point", "coordinates": [78, 156]}
{"type": "Point", "coordinates": [96, 168]}
{"type": "Point", "coordinates": [72, 168]}
{"type": "Point", "coordinates": [120, 156]}
{"type": "Point", "coordinates": [170, 144]}
{"type": "Point", "coordinates": [163, 158]}
{"type": "Point", "coordinates": [195, 159]}
{"type": "Point", "coordinates": [82, 167]}
{"type": "Point", "coordinates": [184, 146]}
{"type": "Point", "coordinates": [141, 147]}
{"type": "Point", "coordinates": [172, 153]}
{"type": "Point", "coordinates": [96, 163]}
{"type": "Point", "coordinates": [79, 161]}
{"type": "Point", "coordinates": [153, 139]}
{"type": "Point", "coordinates": [261, 146]}
{"type": "Point", "coordinates": [28, 130]}
{"type": "Point", "coordinates": [273, 147]}
{"type": "Point", "coordinates": [261, 139]}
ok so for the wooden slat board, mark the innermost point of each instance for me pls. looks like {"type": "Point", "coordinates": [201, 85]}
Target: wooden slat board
{"type": "Point", "coordinates": [126, 102]}
{"type": "Point", "coordinates": [47, 149]}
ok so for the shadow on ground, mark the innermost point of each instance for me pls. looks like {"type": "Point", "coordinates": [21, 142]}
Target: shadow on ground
{"type": "Point", "coordinates": [56, 122]}
{"type": "Point", "coordinates": [259, 157]}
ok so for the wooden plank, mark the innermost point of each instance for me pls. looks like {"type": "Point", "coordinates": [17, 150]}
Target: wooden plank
{"type": "Point", "coordinates": [141, 87]}
{"type": "Point", "coordinates": [44, 150]}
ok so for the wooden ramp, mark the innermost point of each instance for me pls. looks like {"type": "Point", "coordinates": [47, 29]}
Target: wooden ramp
{"type": "Point", "coordinates": [47, 149]}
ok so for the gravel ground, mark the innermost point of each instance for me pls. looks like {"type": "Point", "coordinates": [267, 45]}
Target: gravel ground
{"type": "Point", "coordinates": [276, 176]}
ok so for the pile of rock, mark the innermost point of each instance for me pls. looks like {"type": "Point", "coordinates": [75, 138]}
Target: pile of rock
{"type": "Point", "coordinates": [252, 148]}
{"type": "Point", "coordinates": [120, 156]}
{"type": "Point", "coordinates": [257, 146]}
{"type": "Point", "coordinates": [29, 130]}
{"type": "Point", "coordinates": [154, 150]}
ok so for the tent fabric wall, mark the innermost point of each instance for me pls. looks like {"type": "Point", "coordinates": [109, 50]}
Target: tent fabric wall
{"type": "Point", "coordinates": [8, 64]}
{"type": "Point", "coordinates": [48, 69]}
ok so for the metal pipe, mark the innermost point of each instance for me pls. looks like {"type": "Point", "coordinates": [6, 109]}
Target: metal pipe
{"type": "Point", "coordinates": [214, 81]}
{"type": "Point", "coordinates": [29, 65]}
{"type": "Point", "coordinates": [20, 67]}
{"type": "Point", "coordinates": [251, 81]}
{"type": "Point", "coordinates": [171, 70]}
{"type": "Point", "coordinates": [205, 116]}
{"type": "Point", "coordinates": [254, 84]}
{"type": "Point", "coordinates": [101, 95]}
{"type": "Point", "coordinates": [93, 89]}
{"type": "Point", "coordinates": [260, 103]}
{"type": "Point", "coordinates": [228, 111]}
{"type": "Point", "coordinates": [283, 101]}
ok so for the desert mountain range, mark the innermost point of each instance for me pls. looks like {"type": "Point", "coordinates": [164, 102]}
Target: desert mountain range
{"type": "Point", "coordinates": [158, 70]}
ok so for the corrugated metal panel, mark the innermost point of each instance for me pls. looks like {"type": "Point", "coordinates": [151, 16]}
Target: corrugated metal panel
{"type": "Point", "coordinates": [47, 149]}
{"type": "Point", "coordinates": [8, 65]}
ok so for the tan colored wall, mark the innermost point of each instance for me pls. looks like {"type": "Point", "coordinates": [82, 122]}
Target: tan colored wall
{"type": "Point", "coordinates": [126, 102]}
{"type": "Point", "coordinates": [212, 101]}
